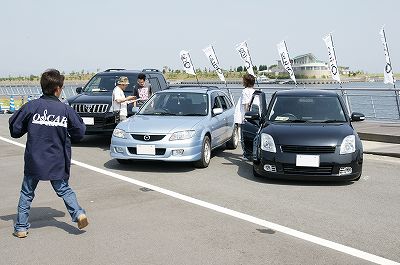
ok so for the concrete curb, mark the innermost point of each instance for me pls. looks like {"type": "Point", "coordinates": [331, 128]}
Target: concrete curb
{"type": "Point", "coordinates": [396, 155]}
{"type": "Point", "coordinates": [384, 138]}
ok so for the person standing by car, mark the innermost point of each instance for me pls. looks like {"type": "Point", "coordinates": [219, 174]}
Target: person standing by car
{"type": "Point", "coordinates": [51, 126]}
{"type": "Point", "coordinates": [119, 101]}
{"type": "Point", "coordinates": [142, 90]}
{"type": "Point", "coordinates": [243, 105]}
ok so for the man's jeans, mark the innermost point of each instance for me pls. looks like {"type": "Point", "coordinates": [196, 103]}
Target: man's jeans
{"type": "Point", "coordinates": [27, 194]}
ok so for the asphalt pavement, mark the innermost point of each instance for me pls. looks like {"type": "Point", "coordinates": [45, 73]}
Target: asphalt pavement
{"type": "Point", "coordinates": [172, 213]}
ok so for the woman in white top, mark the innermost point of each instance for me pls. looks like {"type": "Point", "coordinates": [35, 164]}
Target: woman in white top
{"type": "Point", "coordinates": [243, 106]}
{"type": "Point", "coordinates": [120, 102]}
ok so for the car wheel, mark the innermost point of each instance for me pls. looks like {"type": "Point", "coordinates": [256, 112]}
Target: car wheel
{"type": "Point", "coordinates": [255, 174]}
{"type": "Point", "coordinates": [234, 141]}
{"type": "Point", "coordinates": [359, 176]}
{"type": "Point", "coordinates": [123, 161]}
{"type": "Point", "coordinates": [205, 154]}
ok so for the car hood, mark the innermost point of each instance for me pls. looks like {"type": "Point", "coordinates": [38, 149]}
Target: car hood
{"type": "Point", "coordinates": [98, 98]}
{"type": "Point", "coordinates": [308, 134]}
{"type": "Point", "coordinates": [159, 124]}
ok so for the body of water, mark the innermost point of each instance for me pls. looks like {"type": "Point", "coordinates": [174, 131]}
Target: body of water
{"type": "Point", "coordinates": [374, 99]}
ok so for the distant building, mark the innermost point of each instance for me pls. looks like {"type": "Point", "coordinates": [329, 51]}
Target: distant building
{"type": "Point", "coordinates": [308, 65]}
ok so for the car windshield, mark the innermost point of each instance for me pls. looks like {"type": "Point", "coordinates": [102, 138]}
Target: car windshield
{"type": "Point", "coordinates": [301, 109]}
{"type": "Point", "coordinates": [176, 104]}
{"type": "Point", "coordinates": [107, 83]}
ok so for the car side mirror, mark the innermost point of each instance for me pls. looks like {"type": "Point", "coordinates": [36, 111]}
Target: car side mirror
{"type": "Point", "coordinates": [252, 115]}
{"type": "Point", "coordinates": [217, 111]}
{"type": "Point", "coordinates": [79, 90]}
{"type": "Point", "coordinates": [356, 116]}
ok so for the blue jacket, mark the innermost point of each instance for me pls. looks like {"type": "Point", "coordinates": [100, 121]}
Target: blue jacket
{"type": "Point", "coordinates": [51, 125]}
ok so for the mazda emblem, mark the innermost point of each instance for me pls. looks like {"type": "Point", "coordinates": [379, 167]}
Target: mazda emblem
{"type": "Point", "coordinates": [146, 137]}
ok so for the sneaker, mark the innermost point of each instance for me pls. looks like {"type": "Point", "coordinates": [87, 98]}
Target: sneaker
{"type": "Point", "coordinates": [20, 234]}
{"type": "Point", "coordinates": [82, 221]}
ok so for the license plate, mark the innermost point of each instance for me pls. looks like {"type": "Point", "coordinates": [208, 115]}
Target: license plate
{"type": "Point", "coordinates": [88, 120]}
{"type": "Point", "coordinates": [146, 149]}
{"type": "Point", "coordinates": [307, 160]}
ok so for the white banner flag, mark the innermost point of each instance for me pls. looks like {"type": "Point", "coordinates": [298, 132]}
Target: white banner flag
{"type": "Point", "coordinates": [388, 73]}
{"type": "Point", "coordinates": [210, 54]}
{"type": "Point", "coordinates": [245, 55]}
{"type": "Point", "coordinates": [285, 60]}
{"type": "Point", "coordinates": [332, 58]}
{"type": "Point", "coordinates": [187, 62]}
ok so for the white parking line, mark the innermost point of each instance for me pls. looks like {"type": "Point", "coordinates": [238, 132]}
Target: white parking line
{"type": "Point", "coordinates": [285, 230]}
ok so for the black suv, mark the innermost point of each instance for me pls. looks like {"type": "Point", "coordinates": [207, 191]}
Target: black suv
{"type": "Point", "coordinates": [94, 101]}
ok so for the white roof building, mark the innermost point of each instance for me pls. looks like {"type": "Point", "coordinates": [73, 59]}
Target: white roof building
{"type": "Point", "coordinates": [307, 65]}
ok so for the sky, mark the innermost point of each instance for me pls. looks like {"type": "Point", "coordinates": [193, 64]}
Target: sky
{"type": "Point", "coordinates": [91, 35]}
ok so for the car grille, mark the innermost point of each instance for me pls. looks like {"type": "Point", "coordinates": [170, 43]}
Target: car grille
{"type": "Point", "coordinates": [147, 137]}
{"type": "Point", "coordinates": [308, 149]}
{"type": "Point", "coordinates": [90, 108]}
{"type": "Point", "coordinates": [293, 170]}
{"type": "Point", "coordinates": [159, 151]}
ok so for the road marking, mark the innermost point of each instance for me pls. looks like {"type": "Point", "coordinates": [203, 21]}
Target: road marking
{"type": "Point", "coordinates": [269, 225]}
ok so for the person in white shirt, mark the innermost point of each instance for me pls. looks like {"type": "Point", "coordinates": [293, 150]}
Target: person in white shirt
{"type": "Point", "coordinates": [119, 101]}
{"type": "Point", "coordinates": [243, 106]}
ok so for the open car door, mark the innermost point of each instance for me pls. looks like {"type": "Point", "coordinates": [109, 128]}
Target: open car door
{"type": "Point", "coordinates": [254, 119]}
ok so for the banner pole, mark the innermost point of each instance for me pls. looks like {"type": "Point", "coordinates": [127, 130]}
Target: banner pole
{"type": "Point", "coordinates": [397, 95]}
{"type": "Point", "coordinates": [346, 98]}
{"type": "Point", "coordinates": [294, 76]}
{"type": "Point", "coordinates": [251, 64]}
{"type": "Point", "coordinates": [229, 92]}
{"type": "Point", "coordinates": [194, 70]}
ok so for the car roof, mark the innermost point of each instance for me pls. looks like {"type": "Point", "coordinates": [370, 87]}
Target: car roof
{"type": "Point", "coordinates": [113, 71]}
{"type": "Point", "coordinates": [191, 88]}
{"type": "Point", "coordinates": [307, 92]}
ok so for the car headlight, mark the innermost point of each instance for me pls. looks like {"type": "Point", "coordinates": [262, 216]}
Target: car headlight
{"type": "Point", "coordinates": [119, 133]}
{"type": "Point", "coordinates": [182, 135]}
{"type": "Point", "coordinates": [348, 145]}
{"type": "Point", "coordinates": [267, 143]}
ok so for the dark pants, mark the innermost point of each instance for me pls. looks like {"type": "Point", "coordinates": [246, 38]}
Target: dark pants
{"type": "Point", "coordinates": [246, 153]}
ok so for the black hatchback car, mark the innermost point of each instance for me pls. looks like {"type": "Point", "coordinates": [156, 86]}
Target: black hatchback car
{"type": "Point", "coordinates": [303, 134]}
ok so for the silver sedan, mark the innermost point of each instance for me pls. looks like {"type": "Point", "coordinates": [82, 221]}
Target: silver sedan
{"type": "Point", "coordinates": [177, 124]}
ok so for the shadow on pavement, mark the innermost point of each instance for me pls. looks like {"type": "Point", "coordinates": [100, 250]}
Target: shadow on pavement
{"type": "Point", "coordinates": [156, 166]}
{"type": "Point", "coordinates": [245, 170]}
{"type": "Point", "coordinates": [150, 166]}
{"type": "Point", "coordinates": [45, 216]}
{"type": "Point", "coordinates": [97, 141]}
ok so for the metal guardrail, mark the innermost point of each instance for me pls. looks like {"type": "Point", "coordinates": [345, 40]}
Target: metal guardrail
{"type": "Point", "coordinates": [34, 91]}
{"type": "Point", "coordinates": [374, 103]}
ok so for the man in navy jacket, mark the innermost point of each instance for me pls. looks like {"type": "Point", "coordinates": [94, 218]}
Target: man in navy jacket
{"type": "Point", "coordinates": [50, 125]}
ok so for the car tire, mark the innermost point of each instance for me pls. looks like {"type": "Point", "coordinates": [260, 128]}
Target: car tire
{"type": "Point", "coordinates": [255, 174]}
{"type": "Point", "coordinates": [234, 141]}
{"type": "Point", "coordinates": [205, 154]}
{"type": "Point", "coordinates": [359, 176]}
{"type": "Point", "coordinates": [123, 161]}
